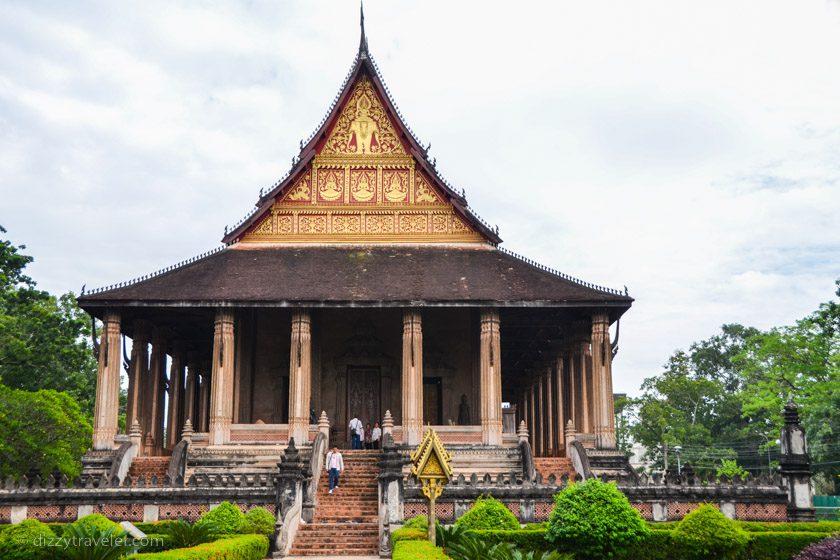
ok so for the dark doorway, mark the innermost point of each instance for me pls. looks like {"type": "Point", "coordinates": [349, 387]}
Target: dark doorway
{"type": "Point", "coordinates": [363, 395]}
{"type": "Point", "coordinates": [432, 401]}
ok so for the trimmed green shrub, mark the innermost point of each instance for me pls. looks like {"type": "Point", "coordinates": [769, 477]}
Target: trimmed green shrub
{"type": "Point", "coordinates": [792, 527]}
{"type": "Point", "coordinates": [776, 545]}
{"type": "Point", "coordinates": [417, 522]}
{"type": "Point", "coordinates": [226, 517]}
{"type": "Point", "coordinates": [524, 539]}
{"type": "Point", "coordinates": [183, 535]}
{"type": "Point", "coordinates": [416, 550]}
{"type": "Point", "coordinates": [155, 543]}
{"type": "Point", "coordinates": [154, 527]}
{"type": "Point", "coordinates": [98, 521]}
{"type": "Point", "coordinates": [594, 520]}
{"type": "Point", "coordinates": [258, 521]}
{"type": "Point", "coordinates": [658, 545]}
{"type": "Point", "coordinates": [408, 534]}
{"type": "Point", "coordinates": [536, 526]}
{"type": "Point", "coordinates": [237, 547]}
{"type": "Point", "coordinates": [706, 533]}
{"type": "Point", "coordinates": [27, 540]}
{"type": "Point", "coordinates": [488, 513]}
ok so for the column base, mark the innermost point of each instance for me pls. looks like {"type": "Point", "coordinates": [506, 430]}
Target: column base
{"type": "Point", "coordinates": [219, 432]}
{"type": "Point", "coordinates": [491, 433]}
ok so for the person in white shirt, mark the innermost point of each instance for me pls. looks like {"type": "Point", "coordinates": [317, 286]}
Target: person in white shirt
{"type": "Point", "coordinates": [335, 464]}
{"type": "Point", "coordinates": [357, 430]}
{"type": "Point", "coordinates": [375, 436]}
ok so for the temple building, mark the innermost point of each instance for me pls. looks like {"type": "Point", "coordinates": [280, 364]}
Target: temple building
{"type": "Point", "coordinates": [362, 283]}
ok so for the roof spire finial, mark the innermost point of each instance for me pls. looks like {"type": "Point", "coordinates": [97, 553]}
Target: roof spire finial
{"type": "Point", "coordinates": [363, 46]}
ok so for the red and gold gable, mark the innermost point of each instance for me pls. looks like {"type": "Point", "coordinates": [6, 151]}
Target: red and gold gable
{"type": "Point", "coordinates": [362, 185]}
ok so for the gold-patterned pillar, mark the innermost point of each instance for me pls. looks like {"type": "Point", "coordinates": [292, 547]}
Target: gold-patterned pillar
{"type": "Point", "coordinates": [137, 374]}
{"type": "Point", "coordinates": [602, 382]}
{"type": "Point", "coordinates": [156, 385]}
{"type": "Point", "coordinates": [491, 378]}
{"type": "Point", "coordinates": [221, 384]}
{"type": "Point", "coordinates": [412, 377]}
{"type": "Point", "coordinates": [560, 409]}
{"type": "Point", "coordinates": [106, 408]}
{"type": "Point", "coordinates": [300, 376]}
{"type": "Point", "coordinates": [176, 389]}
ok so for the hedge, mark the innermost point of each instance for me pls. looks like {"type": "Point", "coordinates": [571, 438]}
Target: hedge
{"type": "Point", "coordinates": [524, 539]}
{"type": "Point", "coordinates": [408, 534]}
{"type": "Point", "coordinates": [417, 550]}
{"type": "Point", "coordinates": [240, 547]}
{"type": "Point", "coordinates": [775, 545]}
{"type": "Point", "coordinates": [765, 526]}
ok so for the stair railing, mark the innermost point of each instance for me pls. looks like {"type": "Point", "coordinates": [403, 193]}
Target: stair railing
{"type": "Point", "coordinates": [313, 476]}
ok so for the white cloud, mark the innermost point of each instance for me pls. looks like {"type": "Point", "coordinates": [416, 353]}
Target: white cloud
{"type": "Point", "coordinates": [687, 150]}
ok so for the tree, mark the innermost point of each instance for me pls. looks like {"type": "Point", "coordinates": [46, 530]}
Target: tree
{"type": "Point", "coordinates": [695, 403]}
{"type": "Point", "coordinates": [799, 363]}
{"type": "Point", "coordinates": [44, 431]}
{"type": "Point", "coordinates": [44, 340]}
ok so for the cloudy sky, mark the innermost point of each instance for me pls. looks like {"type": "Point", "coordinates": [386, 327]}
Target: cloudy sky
{"type": "Point", "coordinates": [688, 150]}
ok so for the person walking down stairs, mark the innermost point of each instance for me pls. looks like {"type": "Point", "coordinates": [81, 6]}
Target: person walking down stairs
{"type": "Point", "coordinates": [335, 464]}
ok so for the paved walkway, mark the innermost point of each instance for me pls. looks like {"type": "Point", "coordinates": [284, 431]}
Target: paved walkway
{"type": "Point", "coordinates": [332, 558]}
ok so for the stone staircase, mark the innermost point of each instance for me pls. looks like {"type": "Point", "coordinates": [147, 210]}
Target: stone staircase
{"type": "Point", "coordinates": [558, 466]}
{"type": "Point", "coordinates": [147, 467]}
{"type": "Point", "coordinates": [346, 523]}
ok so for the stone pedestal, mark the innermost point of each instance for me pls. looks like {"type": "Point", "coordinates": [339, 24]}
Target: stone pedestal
{"type": "Point", "coordinates": [795, 468]}
{"type": "Point", "coordinates": [300, 376]}
{"type": "Point", "coordinates": [491, 378]}
{"type": "Point", "coordinates": [412, 377]}
{"type": "Point", "coordinates": [221, 387]}
{"type": "Point", "coordinates": [107, 404]}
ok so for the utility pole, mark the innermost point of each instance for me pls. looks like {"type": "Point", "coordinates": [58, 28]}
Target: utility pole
{"type": "Point", "coordinates": [665, 454]}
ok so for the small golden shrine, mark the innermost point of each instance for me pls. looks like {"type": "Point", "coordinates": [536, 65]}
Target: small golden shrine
{"type": "Point", "coordinates": [430, 464]}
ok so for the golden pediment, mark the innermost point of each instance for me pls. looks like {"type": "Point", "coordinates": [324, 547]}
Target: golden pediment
{"type": "Point", "coordinates": [363, 128]}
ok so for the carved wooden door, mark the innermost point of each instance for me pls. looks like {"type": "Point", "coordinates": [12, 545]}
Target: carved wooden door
{"type": "Point", "coordinates": [363, 395]}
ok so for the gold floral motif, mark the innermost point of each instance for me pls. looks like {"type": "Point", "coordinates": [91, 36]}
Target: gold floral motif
{"type": "Point", "coordinates": [379, 223]}
{"type": "Point", "coordinates": [363, 126]}
{"type": "Point", "coordinates": [424, 192]}
{"type": "Point", "coordinates": [308, 223]}
{"type": "Point", "coordinates": [301, 190]}
{"type": "Point", "coordinates": [458, 225]}
{"type": "Point", "coordinates": [413, 223]}
{"type": "Point", "coordinates": [362, 184]}
{"type": "Point", "coordinates": [284, 224]}
{"type": "Point", "coordinates": [395, 185]}
{"type": "Point", "coordinates": [265, 226]}
{"type": "Point", "coordinates": [330, 183]}
{"type": "Point", "coordinates": [440, 223]}
{"type": "Point", "coordinates": [346, 223]}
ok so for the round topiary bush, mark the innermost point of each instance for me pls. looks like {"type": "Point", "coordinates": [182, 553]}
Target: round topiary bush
{"type": "Point", "coordinates": [226, 518]}
{"type": "Point", "coordinates": [27, 540]}
{"type": "Point", "coordinates": [829, 549]}
{"type": "Point", "coordinates": [258, 521]}
{"type": "Point", "coordinates": [488, 513]}
{"type": "Point", "coordinates": [594, 520]}
{"type": "Point", "coordinates": [706, 533]}
{"type": "Point", "coordinates": [98, 521]}
{"type": "Point", "coordinates": [417, 522]}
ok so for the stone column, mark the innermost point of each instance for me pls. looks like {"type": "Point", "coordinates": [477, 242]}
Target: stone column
{"type": "Point", "coordinates": [532, 421]}
{"type": "Point", "coordinates": [573, 388]}
{"type": "Point", "coordinates": [106, 408]}
{"type": "Point", "coordinates": [176, 389]}
{"type": "Point", "coordinates": [300, 377]}
{"type": "Point", "coordinates": [203, 400]}
{"type": "Point", "coordinates": [491, 378]}
{"type": "Point", "coordinates": [221, 386]}
{"type": "Point", "coordinates": [190, 395]}
{"type": "Point", "coordinates": [587, 387]}
{"type": "Point", "coordinates": [602, 386]}
{"type": "Point", "coordinates": [157, 376]}
{"type": "Point", "coordinates": [137, 373]}
{"type": "Point", "coordinates": [549, 391]}
{"type": "Point", "coordinates": [412, 377]}
{"type": "Point", "coordinates": [560, 419]}
{"type": "Point", "coordinates": [540, 426]}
